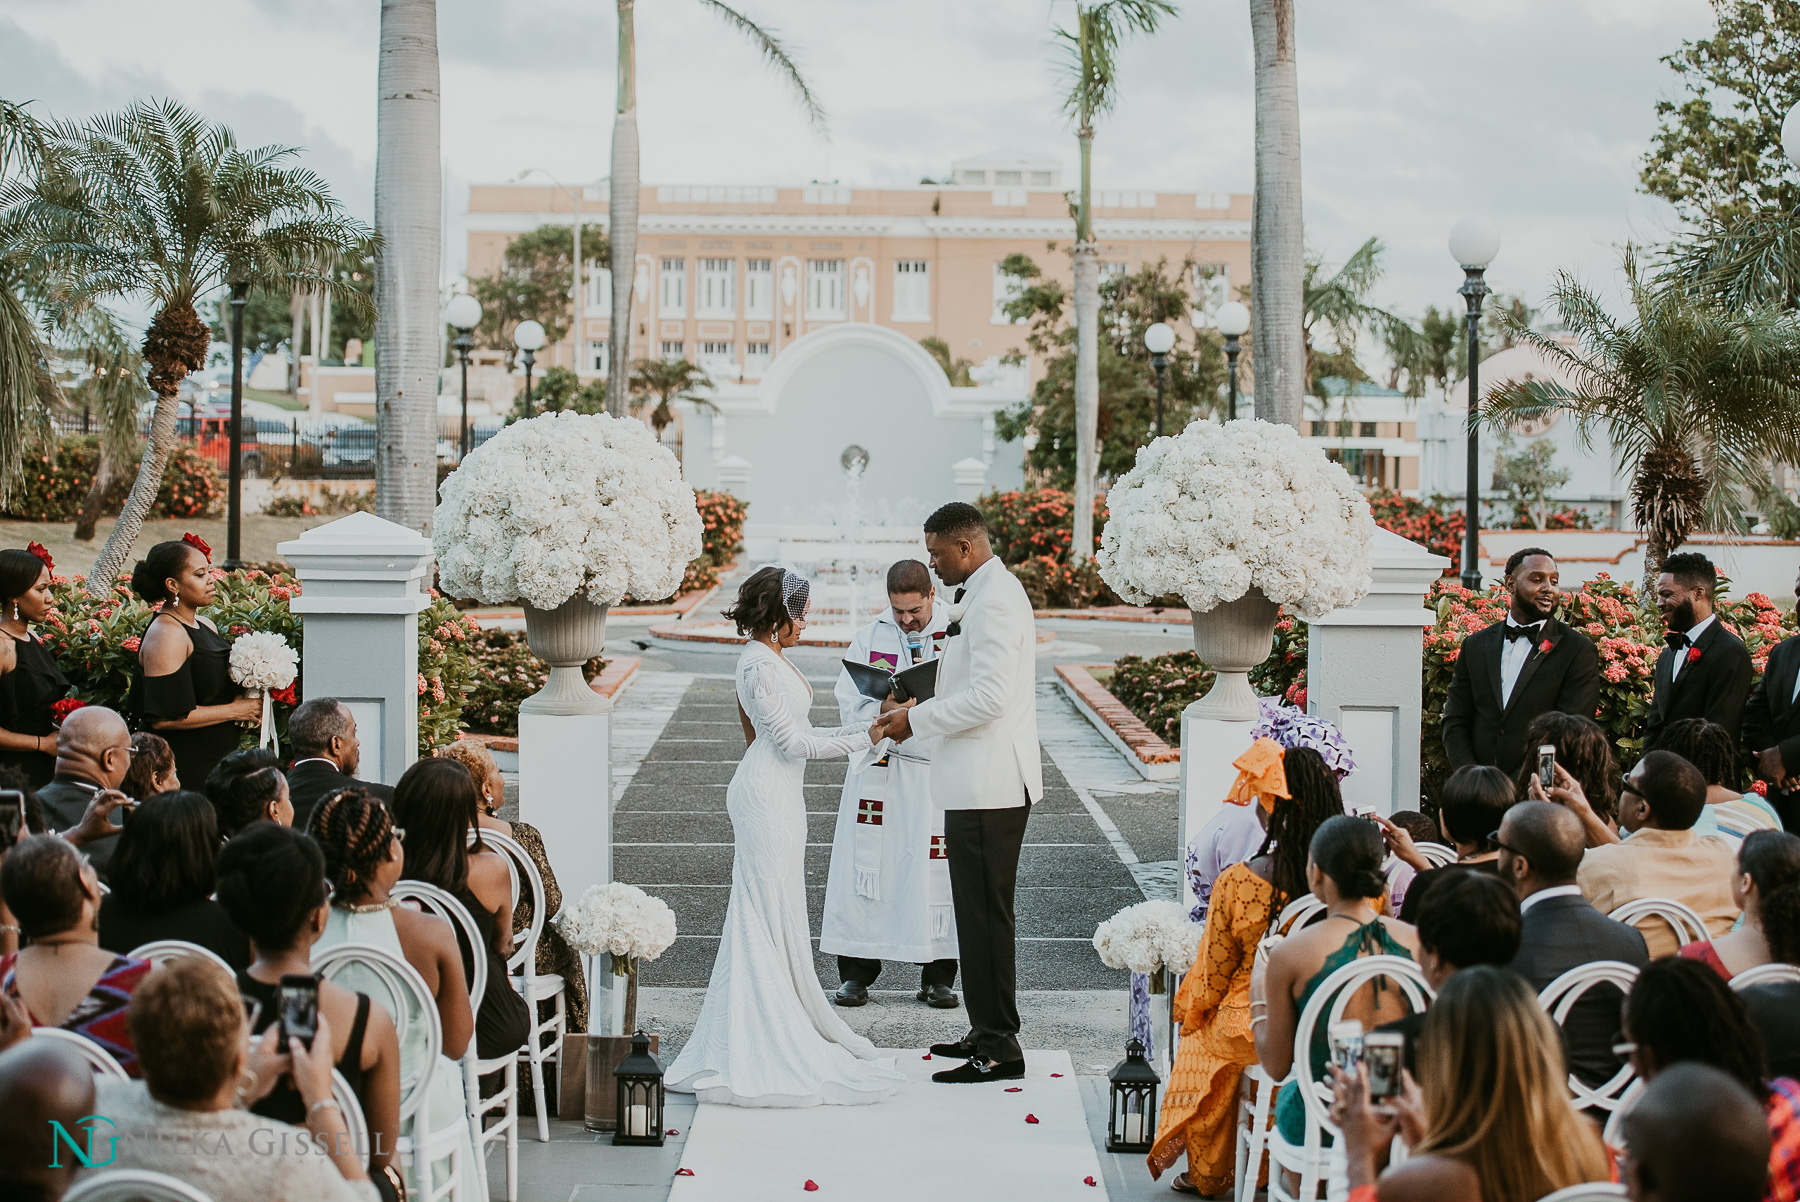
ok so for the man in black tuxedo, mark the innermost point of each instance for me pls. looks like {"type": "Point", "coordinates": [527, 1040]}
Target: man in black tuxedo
{"type": "Point", "coordinates": [1541, 846]}
{"type": "Point", "coordinates": [1514, 670]}
{"type": "Point", "coordinates": [1772, 727]}
{"type": "Point", "coordinates": [322, 732]}
{"type": "Point", "coordinates": [1704, 672]}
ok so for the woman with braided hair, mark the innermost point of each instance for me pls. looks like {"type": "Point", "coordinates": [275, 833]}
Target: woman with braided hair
{"type": "Point", "coordinates": [1199, 1107]}
{"type": "Point", "coordinates": [364, 858]}
{"type": "Point", "coordinates": [1729, 814]}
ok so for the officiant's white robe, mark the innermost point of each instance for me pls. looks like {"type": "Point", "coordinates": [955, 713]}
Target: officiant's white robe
{"type": "Point", "coordinates": [888, 893]}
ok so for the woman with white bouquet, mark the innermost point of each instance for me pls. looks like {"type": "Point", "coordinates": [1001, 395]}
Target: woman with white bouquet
{"type": "Point", "coordinates": [183, 688]}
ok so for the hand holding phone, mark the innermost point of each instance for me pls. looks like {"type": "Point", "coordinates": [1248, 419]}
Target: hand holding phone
{"type": "Point", "coordinates": [1546, 770]}
{"type": "Point", "coordinates": [12, 817]}
{"type": "Point", "coordinates": [1384, 1053]}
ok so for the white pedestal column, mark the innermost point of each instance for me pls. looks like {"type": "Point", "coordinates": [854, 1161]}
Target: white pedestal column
{"type": "Point", "coordinates": [1208, 745]}
{"type": "Point", "coordinates": [565, 790]}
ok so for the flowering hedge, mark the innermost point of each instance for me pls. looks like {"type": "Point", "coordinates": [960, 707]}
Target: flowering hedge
{"type": "Point", "coordinates": [1036, 523]}
{"type": "Point", "coordinates": [95, 642]}
{"type": "Point", "coordinates": [509, 673]}
{"type": "Point", "coordinates": [1157, 688]}
{"type": "Point", "coordinates": [56, 482]}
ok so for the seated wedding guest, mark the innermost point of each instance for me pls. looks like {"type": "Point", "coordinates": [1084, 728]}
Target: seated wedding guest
{"type": "Point", "coordinates": [63, 976]}
{"type": "Point", "coordinates": [272, 883]}
{"type": "Point", "coordinates": [41, 1083]}
{"type": "Point", "coordinates": [1421, 830]}
{"type": "Point", "coordinates": [554, 955]}
{"type": "Point", "coordinates": [322, 738]}
{"type": "Point", "coordinates": [1695, 1135]}
{"type": "Point", "coordinates": [1343, 870]}
{"type": "Point", "coordinates": [246, 787]}
{"type": "Point", "coordinates": [182, 687]}
{"type": "Point", "coordinates": [1487, 1120]}
{"type": "Point", "coordinates": [1541, 848]}
{"type": "Point", "coordinates": [1470, 806]}
{"type": "Point", "coordinates": [1766, 886]}
{"type": "Point", "coordinates": [1709, 747]}
{"type": "Point", "coordinates": [199, 1063]}
{"type": "Point", "coordinates": [93, 753]}
{"type": "Point", "coordinates": [435, 804]}
{"type": "Point", "coordinates": [1469, 918]}
{"type": "Point", "coordinates": [152, 768]}
{"type": "Point", "coordinates": [30, 680]}
{"type": "Point", "coordinates": [1199, 1107]}
{"type": "Point", "coordinates": [1679, 1011]}
{"type": "Point", "coordinates": [1584, 750]}
{"type": "Point", "coordinates": [364, 858]}
{"type": "Point", "coordinates": [1661, 856]}
{"type": "Point", "coordinates": [162, 881]}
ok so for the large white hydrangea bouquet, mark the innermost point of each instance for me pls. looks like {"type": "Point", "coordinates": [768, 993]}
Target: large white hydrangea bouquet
{"type": "Point", "coordinates": [264, 663]}
{"type": "Point", "coordinates": [620, 920]}
{"type": "Point", "coordinates": [1148, 938]}
{"type": "Point", "coordinates": [562, 505]}
{"type": "Point", "coordinates": [1219, 509]}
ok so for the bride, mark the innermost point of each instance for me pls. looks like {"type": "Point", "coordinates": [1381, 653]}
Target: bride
{"type": "Point", "coordinates": [766, 1035]}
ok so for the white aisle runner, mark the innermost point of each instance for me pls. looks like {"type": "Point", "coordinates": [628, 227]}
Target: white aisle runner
{"type": "Point", "coordinates": [948, 1143]}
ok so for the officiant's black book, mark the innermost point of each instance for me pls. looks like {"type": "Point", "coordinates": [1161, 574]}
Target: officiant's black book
{"type": "Point", "coordinates": [918, 681]}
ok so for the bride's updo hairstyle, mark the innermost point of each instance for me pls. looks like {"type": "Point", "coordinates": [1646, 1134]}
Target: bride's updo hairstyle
{"type": "Point", "coordinates": [771, 600]}
{"type": "Point", "coordinates": [1350, 850]}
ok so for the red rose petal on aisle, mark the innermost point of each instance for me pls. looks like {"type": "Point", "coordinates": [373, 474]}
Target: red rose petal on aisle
{"type": "Point", "coordinates": [810, 1186]}
{"type": "Point", "coordinates": [684, 1172]}
{"type": "Point", "coordinates": [1056, 1074]}
{"type": "Point", "coordinates": [1012, 1089]}
{"type": "Point", "coordinates": [926, 1056]}
{"type": "Point", "coordinates": [1031, 1118]}
{"type": "Point", "coordinates": [673, 1131]}
{"type": "Point", "coordinates": [1089, 1181]}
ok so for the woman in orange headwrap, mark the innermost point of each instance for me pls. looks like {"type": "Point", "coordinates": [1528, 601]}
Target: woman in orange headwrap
{"type": "Point", "coordinates": [1199, 1106]}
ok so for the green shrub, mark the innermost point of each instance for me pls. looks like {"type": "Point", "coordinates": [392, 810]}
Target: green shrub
{"type": "Point", "coordinates": [56, 482]}
{"type": "Point", "coordinates": [506, 674]}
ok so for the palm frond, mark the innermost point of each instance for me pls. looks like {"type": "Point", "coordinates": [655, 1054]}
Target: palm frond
{"type": "Point", "coordinates": [777, 56]}
{"type": "Point", "coordinates": [1090, 52]}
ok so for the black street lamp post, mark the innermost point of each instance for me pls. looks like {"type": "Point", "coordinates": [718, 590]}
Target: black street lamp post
{"type": "Point", "coordinates": [1233, 319]}
{"type": "Point", "coordinates": [464, 313]}
{"type": "Point", "coordinates": [1474, 243]}
{"type": "Point", "coordinates": [529, 357]}
{"type": "Point", "coordinates": [462, 343]}
{"type": "Point", "coordinates": [234, 504]}
{"type": "Point", "coordinates": [528, 336]}
{"type": "Point", "coordinates": [1159, 340]}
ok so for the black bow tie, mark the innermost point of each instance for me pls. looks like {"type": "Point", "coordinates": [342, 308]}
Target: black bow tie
{"type": "Point", "coordinates": [955, 627]}
{"type": "Point", "coordinates": [1522, 632]}
{"type": "Point", "coordinates": [1676, 639]}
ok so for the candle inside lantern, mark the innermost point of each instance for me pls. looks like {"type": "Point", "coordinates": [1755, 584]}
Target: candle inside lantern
{"type": "Point", "coordinates": [637, 1121]}
{"type": "Point", "coordinates": [1134, 1127]}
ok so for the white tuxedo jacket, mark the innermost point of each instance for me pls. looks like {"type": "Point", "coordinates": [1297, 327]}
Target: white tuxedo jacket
{"type": "Point", "coordinates": [985, 709]}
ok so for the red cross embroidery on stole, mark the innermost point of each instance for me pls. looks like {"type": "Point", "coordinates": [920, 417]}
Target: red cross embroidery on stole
{"type": "Point", "coordinates": [869, 812]}
{"type": "Point", "coordinates": [940, 850]}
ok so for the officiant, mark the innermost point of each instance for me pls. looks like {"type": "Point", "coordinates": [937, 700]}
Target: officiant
{"type": "Point", "coordinates": [888, 893]}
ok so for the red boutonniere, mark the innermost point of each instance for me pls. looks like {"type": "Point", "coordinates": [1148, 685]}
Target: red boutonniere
{"type": "Point", "coordinates": [198, 544]}
{"type": "Point", "coordinates": [43, 553]}
{"type": "Point", "coordinates": [1544, 647]}
{"type": "Point", "coordinates": [1693, 654]}
{"type": "Point", "coordinates": [1760, 788]}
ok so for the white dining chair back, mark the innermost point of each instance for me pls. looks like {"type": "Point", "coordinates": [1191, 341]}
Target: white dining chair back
{"type": "Point", "coordinates": [1559, 997]}
{"type": "Point", "coordinates": [132, 1185]}
{"type": "Point", "coordinates": [1765, 974]}
{"type": "Point", "coordinates": [432, 900]}
{"type": "Point", "coordinates": [355, 1121]}
{"type": "Point", "coordinates": [160, 951]}
{"type": "Point", "coordinates": [1593, 1191]}
{"type": "Point", "coordinates": [97, 1057]}
{"type": "Point", "coordinates": [1436, 854]}
{"type": "Point", "coordinates": [1688, 926]}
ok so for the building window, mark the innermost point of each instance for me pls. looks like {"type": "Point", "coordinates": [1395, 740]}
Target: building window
{"type": "Point", "coordinates": [1041, 179]}
{"type": "Point", "coordinates": [715, 293]}
{"type": "Point", "coordinates": [1368, 431]}
{"type": "Point", "coordinates": [674, 288]}
{"type": "Point", "coordinates": [1321, 430]}
{"type": "Point", "coordinates": [1212, 287]}
{"type": "Point", "coordinates": [1009, 177]}
{"type": "Point", "coordinates": [599, 360]}
{"type": "Point", "coordinates": [912, 290]}
{"type": "Point", "coordinates": [756, 358]}
{"type": "Point", "coordinates": [597, 283]}
{"type": "Point", "coordinates": [674, 350]}
{"type": "Point", "coordinates": [1110, 269]}
{"type": "Point", "coordinates": [719, 358]}
{"type": "Point", "coordinates": [973, 177]}
{"type": "Point", "coordinates": [1006, 287]}
{"type": "Point", "coordinates": [824, 288]}
{"type": "Point", "coordinates": [759, 288]}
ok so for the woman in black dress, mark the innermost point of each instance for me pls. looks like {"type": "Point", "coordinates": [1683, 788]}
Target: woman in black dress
{"type": "Point", "coordinates": [30, 681]}
{"type": "Point", "coordinates": [182, 688]}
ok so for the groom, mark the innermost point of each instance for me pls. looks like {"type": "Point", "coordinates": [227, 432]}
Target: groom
{"type": "Point", "coordinates": [985, 774]}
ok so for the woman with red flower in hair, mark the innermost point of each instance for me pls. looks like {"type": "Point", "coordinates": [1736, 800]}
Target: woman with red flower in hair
{"type": "Point", "coordinates": [182, 688]}
{"type": "Point", "coordinates": [31, 685]}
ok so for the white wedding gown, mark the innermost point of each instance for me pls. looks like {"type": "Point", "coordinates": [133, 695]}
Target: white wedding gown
{"type": "Point", "coordinates": [766, 1034]}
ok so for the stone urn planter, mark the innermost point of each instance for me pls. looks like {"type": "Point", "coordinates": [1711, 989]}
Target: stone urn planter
{"type": "Point", "coordinates": [566, 638]}
{"type": "Point", "coordinates": [1233, 638]}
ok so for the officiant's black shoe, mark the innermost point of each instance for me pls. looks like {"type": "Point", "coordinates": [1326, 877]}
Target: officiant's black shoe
{"type": "Point", "coordinates": [962, 1049]}
{"type": "Point", "coordinates": [938, 997]}
{"type": "Point", "coordinates": [978, 1070]}
{"type": "Point", "coordinates": [851, 993]}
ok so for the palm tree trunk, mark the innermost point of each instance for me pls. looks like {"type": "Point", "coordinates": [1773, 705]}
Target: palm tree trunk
{"type": "Point", "coordinates": [1277, 232]}
{"type": "Point", "coordinates": [297, 313]}
{"type": "Point", "coordinates": [89, 517]}
{"type": "Point", "coordinates": [175, 344]}
{"type": "Point", "coordinates": [408, 216]}
{"type": "Point", "coordinates": [622, 219]}
{"type": "Point", "coordinates": [1087, 395]}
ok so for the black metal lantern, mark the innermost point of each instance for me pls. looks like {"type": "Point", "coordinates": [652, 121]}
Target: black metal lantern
{"type": "Point", "coordinates": [640, 1084]}
{"type": "Point", "coordinates": [1131, 1118]}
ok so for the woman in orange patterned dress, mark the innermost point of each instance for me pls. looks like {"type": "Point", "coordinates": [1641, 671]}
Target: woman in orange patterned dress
{"type": "Point", "coordinates": [1199, 1108]}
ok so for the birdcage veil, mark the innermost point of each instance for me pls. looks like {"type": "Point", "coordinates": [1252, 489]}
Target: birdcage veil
{"type": "Point", "coordinates": [796, 590]}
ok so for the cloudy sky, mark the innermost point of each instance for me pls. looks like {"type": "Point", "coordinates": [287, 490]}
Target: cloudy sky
{"type": "Point", "coordinates": [1414, 112]}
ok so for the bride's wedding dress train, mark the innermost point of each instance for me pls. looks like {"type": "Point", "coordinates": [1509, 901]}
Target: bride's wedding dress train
{"type": "Point", "coordinates": [766, 1035]}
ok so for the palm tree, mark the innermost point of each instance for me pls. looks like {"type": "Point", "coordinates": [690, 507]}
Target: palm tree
{"type": "Point", "coordinates": [114, 391]}
{"type": "Point", "coordinates": [26, 388]}
{"type": "Point", "coordinates": [622, 217]}
{"type": "Point", "coordinates": [156, 203]}
{"type": "Point", "coordinates": [1277, 231]}
{"type": "Point", "coordinates": [668, 381]}
{"type": "Point", "coordinates": [1091, 67]}
{"type": "Point", "coordinates": [408, 219]}
{"type": "Point", "coordinates": [1699, 397]}
{"type": "Point", "coordinates": [1339, 302]}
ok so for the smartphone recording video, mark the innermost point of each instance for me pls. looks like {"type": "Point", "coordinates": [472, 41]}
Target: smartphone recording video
{"type": "Point", "coordinates": [1383, 1052]}
{"type": "Point", "coordinates": [299, 1009]}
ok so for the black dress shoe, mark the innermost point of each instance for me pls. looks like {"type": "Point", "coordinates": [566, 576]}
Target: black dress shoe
{"type": "Point", "coordinates": [962, 1049]}
{"type": "Point", "coordinates": [851, 993]}
{"type": "Point", "coordinates": [978, 1070]}
{"type": "Point", "coordinates": [938, 997]}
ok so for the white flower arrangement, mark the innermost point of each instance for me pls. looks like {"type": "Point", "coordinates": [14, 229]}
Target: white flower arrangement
{"type": "Point", "coordinates": [263, 662]}
{"type": "Point", "coordinates": [562, 505]}
{"type": "Point", "coordinates": [1148, 937]}
{"type": "Point", "coordinates": [1218, 509]}
{"type": "Point", "coordinates": [618, 920]}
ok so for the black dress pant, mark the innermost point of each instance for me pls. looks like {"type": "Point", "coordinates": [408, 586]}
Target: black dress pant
{"type": "Point", "coordinates": [984, 868]}
{"type": "Point", "coordinates": [865, 972]}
